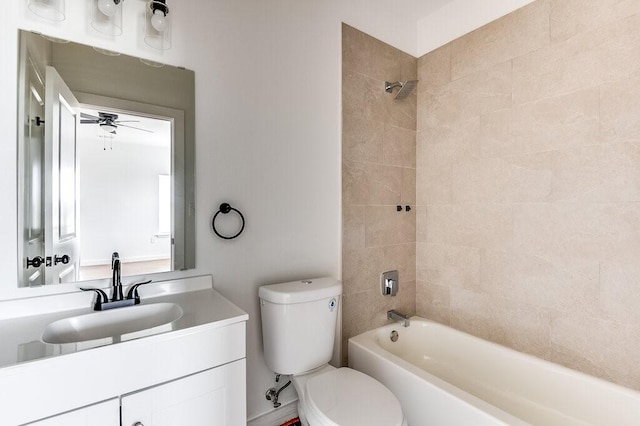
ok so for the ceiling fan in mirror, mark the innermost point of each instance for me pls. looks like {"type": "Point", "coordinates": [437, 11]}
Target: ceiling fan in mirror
{"type": "Point", "coordinates": [109, 122]}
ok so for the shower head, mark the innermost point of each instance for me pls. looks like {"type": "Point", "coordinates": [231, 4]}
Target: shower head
{"type": "Point", "coordinates": [405, 88]}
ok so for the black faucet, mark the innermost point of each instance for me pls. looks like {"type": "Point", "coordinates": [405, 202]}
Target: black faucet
{"type": "Point", "coordinates": [115, 280]}
{"type": "Point", "coordinates": [117, 300]}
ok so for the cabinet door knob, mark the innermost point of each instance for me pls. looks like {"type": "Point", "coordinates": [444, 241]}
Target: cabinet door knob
{"type": "Point", "coordinates": [138, 424]}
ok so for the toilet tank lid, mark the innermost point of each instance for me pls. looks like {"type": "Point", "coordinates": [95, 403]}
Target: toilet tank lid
{"type": "Point", "coordinates": [300, 291]}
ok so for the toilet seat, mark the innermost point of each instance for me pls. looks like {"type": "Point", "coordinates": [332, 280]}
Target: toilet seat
{"type": "Point", "coordinates": [346, 397]}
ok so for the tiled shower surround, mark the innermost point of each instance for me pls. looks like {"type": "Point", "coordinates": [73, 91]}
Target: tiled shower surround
{"type": "Point", "coordinates": [527, 187]}
{"type": "Point", "coordinates": [378, 174]}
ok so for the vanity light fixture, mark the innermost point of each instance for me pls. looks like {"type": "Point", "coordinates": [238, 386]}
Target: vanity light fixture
{"type": "Point", "coordinates": [157, 33]}
{"type": "Point", "coordinates": [52, 10]}
{"type": "Point", "coordinates": [106, 16]}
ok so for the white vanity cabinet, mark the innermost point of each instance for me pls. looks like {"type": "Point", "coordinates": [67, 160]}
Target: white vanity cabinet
{"type": "Point", "coordinates": [213, 397]}
{"type": "Point", "coordinates": [105, 413]}
{"type": "Point", "coordinates": [193, 374]}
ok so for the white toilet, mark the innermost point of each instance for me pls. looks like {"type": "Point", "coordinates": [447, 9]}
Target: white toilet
{"type": "Point", "coordinates": [298, 331]}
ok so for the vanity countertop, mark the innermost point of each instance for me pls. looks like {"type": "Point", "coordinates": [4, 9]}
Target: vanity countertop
{"type": "Point", "coordinates": [210, 332]}
{"type": "Point", "coordinates": [20, 338]}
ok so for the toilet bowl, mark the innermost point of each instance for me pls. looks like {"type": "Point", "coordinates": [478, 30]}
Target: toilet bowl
{"type": "Point", "coordinates": [342, 396]}
{"type": "Point", "coordinates": [298, 331]}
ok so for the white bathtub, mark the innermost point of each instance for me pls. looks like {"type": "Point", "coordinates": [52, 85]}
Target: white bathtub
{"type": "Point", "coordinates": [446, 377]}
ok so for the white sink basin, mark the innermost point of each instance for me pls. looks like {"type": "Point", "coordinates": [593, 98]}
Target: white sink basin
{"type": "Point", "coordinates": [115, 322]}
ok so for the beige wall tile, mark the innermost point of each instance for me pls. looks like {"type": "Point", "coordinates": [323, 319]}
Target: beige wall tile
{"type": "Point", "coordinates": [363, 97]}
{"type": "Point", "coordinates": [400, 112]}
{"type": "Point", "coordinates": [400, 257]}
{"type": "Point", "coordinates": [572, 17]}
{"type": "Point", "coordinates": [362, 139]}
{"type": "Point", "coordinates": [570, 232]}
{"type": "Point", "coordinates": [369, 56]}
{"type": "Point", "coordinates": [385, 226]}
{"type": "Point", "coordinates": [361, 269]}
{"type": "Point", "coordinates": [370, 183]}
{"type": "Point", "coordinates": [408, 186]}
{"type": "Point", "coordinates": [434, 69]}
{"type": "Point", "coordinates": [367, 310]}
{"type": "Point", "coordinates": [518, 33]}
{"type": "Point", "coordinates": [561, 122]}
{"type": "Point", "coordinates": [448, 265]}
{"type": "Point", "coordinates": [495, 180]}
{"type": "Point", "coordinates": [433, 184]}
{"type": "Point", "coordinates": [519, 326]}
{"type": "Point", "coordinates": [437, 149]}
{"type": "Point", "coordinates": [619, 177]}
{"type": "Point", "coordinates": [432, 302]}
{"type": "Point", "coordinates": [566, 175]}
{"type": "Point", "coordinates": [478, 225]}
{"type": "Point", "coordinates": [399, 146]}
{"type": "Point", "coordinates": [600, 347]}
{"type": "Point", "coordinates": [449, 143]}
{"type": "Point", "coordinates": [475, 94]}
{"type": "Point", "coordinates": [620, 292]}
{"type": "Point", "coordinates": [421, 224]}
{"type": "Point", "coordinates": [604, 55]}
{"type": "Point", "coordinates": [541, 282]}
{"type": "Point", "coordinates": [619, 109]}
{"type": "Point", "coordinates": [352, 227]}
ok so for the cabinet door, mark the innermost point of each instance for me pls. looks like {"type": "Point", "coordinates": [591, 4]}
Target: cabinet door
{"type": "Point", "coordinates": [210, 398]}
{"type": "Point", "coordinates": [103, 414]}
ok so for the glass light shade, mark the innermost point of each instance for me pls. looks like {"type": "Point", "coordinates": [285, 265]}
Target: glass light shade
{"type": "Point", "coordinates": [107, 7]}
{"type": "Point", "coordinates": [52, 10]}
{"type": "Point", "coordinates": [106, 17]}
{"type": "Point", "coordinates": [108, 127]}
{"type": "Point", "coordinates": [157, 33]}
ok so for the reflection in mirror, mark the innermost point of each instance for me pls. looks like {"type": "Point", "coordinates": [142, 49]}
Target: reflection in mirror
{"type": "Point", "coordinates": [105, 155]}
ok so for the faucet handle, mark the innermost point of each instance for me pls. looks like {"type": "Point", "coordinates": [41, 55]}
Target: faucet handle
{"type": "Point", "coordinates": [133, 291]}
{"type": "Point", "coordinates": [101, 297]}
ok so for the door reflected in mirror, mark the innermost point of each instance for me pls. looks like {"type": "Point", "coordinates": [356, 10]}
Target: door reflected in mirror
{"type": "Point", "coordinates": [105, 164]}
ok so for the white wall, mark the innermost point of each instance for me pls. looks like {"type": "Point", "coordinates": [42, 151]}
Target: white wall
{"type": "Point", "coordinates": [119, 198]}
{"type": "Point", "coordinates": [458, 17]}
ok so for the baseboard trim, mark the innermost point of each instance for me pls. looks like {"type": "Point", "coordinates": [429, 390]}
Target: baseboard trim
{"type": "Point", "coordinates": [277, 416]}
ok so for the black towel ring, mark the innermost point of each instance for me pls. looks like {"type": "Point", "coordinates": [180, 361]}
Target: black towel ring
{"type": "Point", "coordinates": [224, 209]}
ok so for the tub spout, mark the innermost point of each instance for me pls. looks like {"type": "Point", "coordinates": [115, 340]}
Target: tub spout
{"type": "Point", "coordinates": [397, 316]}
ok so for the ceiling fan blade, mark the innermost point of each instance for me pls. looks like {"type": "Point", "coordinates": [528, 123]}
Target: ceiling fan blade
{"type": "Point", "coordinates": [126, 121]}
{"type": "Point", "coordinates": [85, 115]}
{"type": "Point", "coordinates": [89, 121]}
{"type": "Point", "coordinates": [137, 128]}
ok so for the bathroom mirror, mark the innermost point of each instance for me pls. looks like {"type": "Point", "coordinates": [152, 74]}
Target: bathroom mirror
{"type": "Point", "coordinates": [105, 163]}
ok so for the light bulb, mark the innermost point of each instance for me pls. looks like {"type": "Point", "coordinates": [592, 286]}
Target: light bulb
{"type": "Point", "coordinates": [159, 20]}
{"type": "Point", "coordinates": [107, 7]}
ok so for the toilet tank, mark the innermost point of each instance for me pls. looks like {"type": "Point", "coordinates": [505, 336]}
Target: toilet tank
{"type": "Point", "coordinates": [299, 323]}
